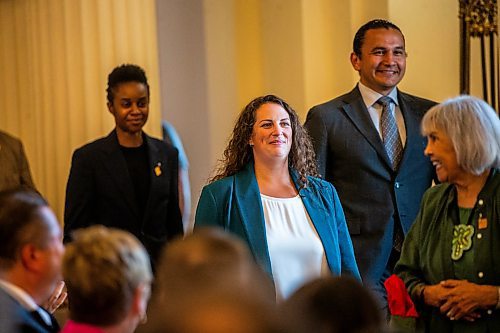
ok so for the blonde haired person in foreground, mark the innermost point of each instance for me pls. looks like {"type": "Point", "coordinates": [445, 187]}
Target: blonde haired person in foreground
{"type": "Point", "coordinates": [450, 261]}
{"type": "Point", "coordinates": [108, 276]}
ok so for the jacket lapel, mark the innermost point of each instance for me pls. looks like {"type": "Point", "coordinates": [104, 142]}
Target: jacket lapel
{"type": "Point", "coordinates": [412, 125]}
{"type": "Point", "coordinates": [116, 167]}
{"type": "Point", "coordinates": [249, 206]}
{"type": "Point", "coordinates": [154, 160]}
{"type": "Point", "coordinates": [356, 110]}
{"type": "Point", "coordinates": [320, 217]}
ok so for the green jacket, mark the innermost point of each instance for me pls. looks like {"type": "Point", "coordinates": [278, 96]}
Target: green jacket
{"type": "Point", "coordinates": [426, 255]}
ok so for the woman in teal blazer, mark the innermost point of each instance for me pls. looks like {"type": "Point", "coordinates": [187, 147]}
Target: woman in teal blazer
{"type": "Point", "coordinates": [271, 156]}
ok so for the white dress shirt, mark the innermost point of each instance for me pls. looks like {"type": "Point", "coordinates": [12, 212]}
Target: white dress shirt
{"type": "Point", "coordinates": [370, 98]}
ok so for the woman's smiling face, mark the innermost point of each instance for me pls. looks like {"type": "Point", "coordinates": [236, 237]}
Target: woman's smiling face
{"type": "Point", "coordinates": [272, 133]}
{"type": "Point", "coordinates": [443, 156]}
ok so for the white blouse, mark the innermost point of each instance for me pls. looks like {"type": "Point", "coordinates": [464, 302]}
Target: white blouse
{"type": "Point", "coordinates": [296, 251]}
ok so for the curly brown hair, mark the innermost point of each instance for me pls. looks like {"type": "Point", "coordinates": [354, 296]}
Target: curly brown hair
{"type": "Point", "coordinates": [238, 152]}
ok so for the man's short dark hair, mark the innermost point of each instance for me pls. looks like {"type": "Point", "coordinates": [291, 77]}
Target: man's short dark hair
{"type": "Point", "coordinates": [125, 73]}
{"type": "Point", "coordinates": [359, 38]}
{"type": "Point", "coordinates": [19, 208]}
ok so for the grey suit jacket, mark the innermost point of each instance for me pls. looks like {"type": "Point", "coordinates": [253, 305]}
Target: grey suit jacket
{"type": "Point", "coordinates": [16, 319]}
{"type": "Point", "coordinates": [14, 168]}
{"type": "Point", "coordinates": [352, 157]}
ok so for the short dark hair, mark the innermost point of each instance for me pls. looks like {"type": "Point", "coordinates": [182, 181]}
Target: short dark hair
{"type": "Point", "coordinates": [19, 209]}
{"type": "Point", "coordinates": [359, 38]}
{"type": "Point", "coordinates": [125, 73]}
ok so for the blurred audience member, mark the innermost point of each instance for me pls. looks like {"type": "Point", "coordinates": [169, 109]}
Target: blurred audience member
{"type": "Point", "coordinates": [31, 252]}
{"type": "Point", "coordinates": [332, 305]}
{"type": "Point", "coordinates": [226, 312]}
{"type": "Point", "coordinates": [14, 170]}
{"type": "Point", "coordinates": [208, 282]}
{"type": "Point", "coordinates": [108, 276]}
{"type": "Point", "coordinates": [210, 259]}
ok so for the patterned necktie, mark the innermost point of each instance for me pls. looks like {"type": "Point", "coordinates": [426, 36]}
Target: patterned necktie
{"type": "Point", "coordinates": [394, 149]}
{"type": "Point", "coordinates": [390, 134]}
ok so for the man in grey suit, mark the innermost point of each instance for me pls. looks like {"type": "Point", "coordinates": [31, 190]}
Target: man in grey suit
{"type": "Point", "coordinates": [371, 150]}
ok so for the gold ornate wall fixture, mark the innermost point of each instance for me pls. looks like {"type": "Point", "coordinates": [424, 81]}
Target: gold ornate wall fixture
{"type": "Point", "coordinates": [479, 19]}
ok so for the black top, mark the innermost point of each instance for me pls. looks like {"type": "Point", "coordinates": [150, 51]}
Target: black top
{"type": "Point", "coordinates": [137, 165]}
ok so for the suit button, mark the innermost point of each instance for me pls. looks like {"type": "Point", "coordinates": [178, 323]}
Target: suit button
{"type": "Point", "coordinates": [480, 202]}
{"type": "Point", "coordinates": [396, 184]}
{"type": "Point", "coordinates": [480, 275]}
{"type": "Point", "coordinates": [489, 311]}
{"type": "Point", "coordinates": [479, 236]}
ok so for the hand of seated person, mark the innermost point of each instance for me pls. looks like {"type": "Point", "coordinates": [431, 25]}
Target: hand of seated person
{"type": "Point", "coordinates": [56, 299]}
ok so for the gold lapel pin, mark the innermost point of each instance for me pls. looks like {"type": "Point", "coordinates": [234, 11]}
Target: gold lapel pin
{"type": "Point", "coordinates": [158, 169]}
{"type": "Point", "coordinates": [482, 223]}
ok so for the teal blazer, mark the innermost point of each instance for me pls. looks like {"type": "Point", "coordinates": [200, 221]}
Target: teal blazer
{"type": "Point", "coordinates": [234, 204]}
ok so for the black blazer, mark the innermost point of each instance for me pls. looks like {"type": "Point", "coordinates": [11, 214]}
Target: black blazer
{"type": "Point", "coordinates": [352, 157]}
{"type": "Point", "coordinates": [100, 191]}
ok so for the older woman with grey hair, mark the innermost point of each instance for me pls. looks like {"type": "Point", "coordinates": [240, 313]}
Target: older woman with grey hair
{"type": "Point", "coordinates": [450, 260]}
{"type": "Point", "coordinates": [108, 275]}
